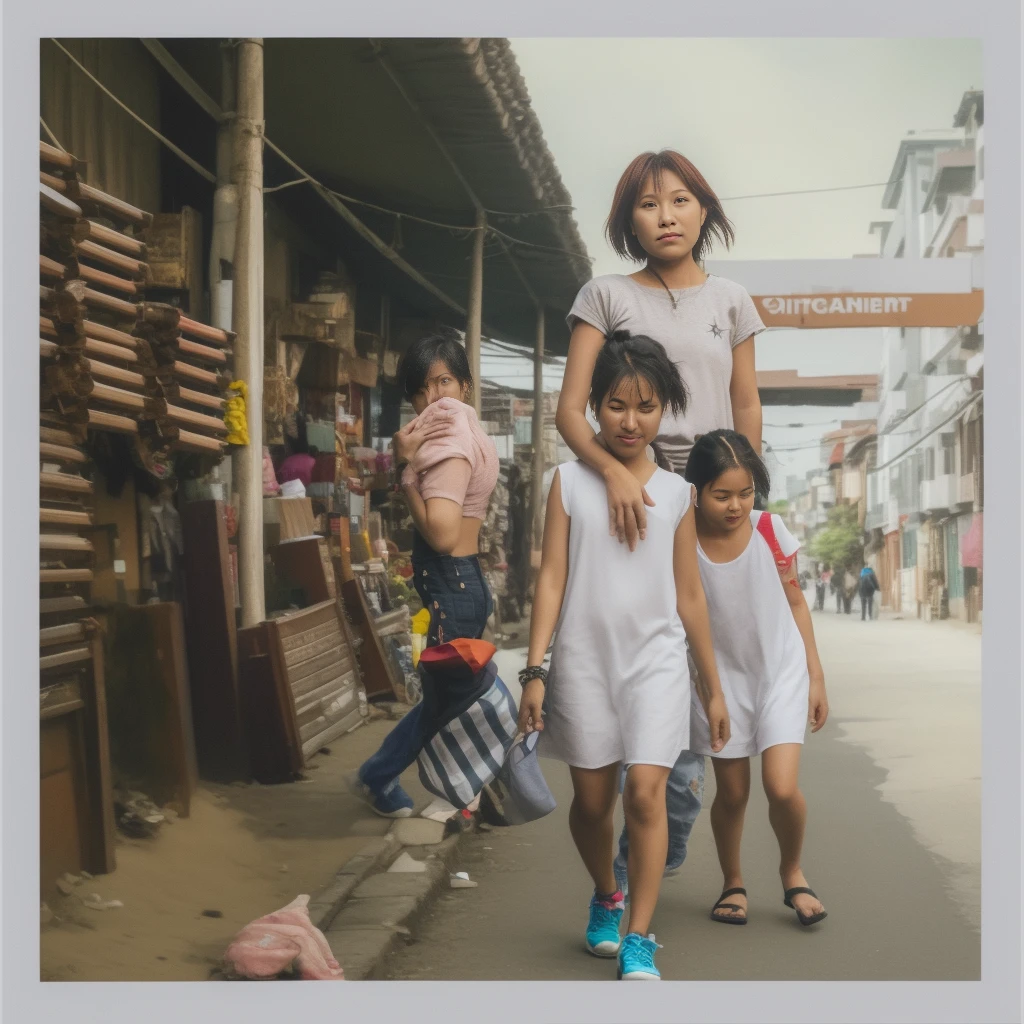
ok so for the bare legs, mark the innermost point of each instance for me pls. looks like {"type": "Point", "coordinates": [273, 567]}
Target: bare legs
{"type": "Point", "coordinates": [591, 824]}
{"type": "Point", "coordinates": [732, 782]}
{"type": "Point", "coordinates": [643, 801]}
{"type": "Point", "coordinates": [787, 812]}
{"type": "Point", "coordinates": [595, 791]}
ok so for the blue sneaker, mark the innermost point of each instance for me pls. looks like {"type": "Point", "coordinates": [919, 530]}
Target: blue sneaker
{"type": "Point", "coordinates": [395, 803]}
{"type": "Point", "coordinates": [636, 958]}
{"type": "Point", "coordinates": [603, 926]}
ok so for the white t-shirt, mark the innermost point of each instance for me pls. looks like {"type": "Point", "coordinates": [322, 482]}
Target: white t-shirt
{"type": "Point", "coordinates": [699, 334]}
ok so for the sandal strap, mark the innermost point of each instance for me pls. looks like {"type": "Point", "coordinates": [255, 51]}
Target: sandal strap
{"type": "Point", "coordinates": [797, 890]}
{"type": "Point", "coordinates": [738, 891]}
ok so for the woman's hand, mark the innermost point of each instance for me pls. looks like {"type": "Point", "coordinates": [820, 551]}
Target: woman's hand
{"type": "Point", "coordinates": [627, 501]}
{"type": "Point", "coordinates": [718, 719]}
{"type": "Point", "coordinates": [408, 441]}
{"type": "Point", "coordinates": [817, 704]}
{"type": "Point", "coordinates": [530, 705]}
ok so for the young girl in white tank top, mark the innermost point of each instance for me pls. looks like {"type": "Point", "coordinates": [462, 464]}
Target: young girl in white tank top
{"type": "Point", "coordinates": [619, 691]}
{"type": "Point", "coordinates": [767, 662]}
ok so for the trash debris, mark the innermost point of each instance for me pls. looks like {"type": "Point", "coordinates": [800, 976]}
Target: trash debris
{"type": "Point", "coordinates": [87, 876]}
{"type": "Point", "coordinates": [324, 750]}
{"type": "Point", "coordinates": [284, 867]}
{"type": "Point", "coordinates": [46, 915]}
{"type": "Point", "coordinates": [137, 815]}
{"type": "Point", "coordinates": [170, 814]}
{"type": "Point", "coordinates": [94, 901]}
{"type": "Point", "coordinates": [405, 864]}
{"type": "Point", "coordinates": [66, 883]}
{"type": "Point", "coordinates": [461, 880]}
{"type": "Point", "coordinates": [438, 810]}
{"type": "Point", "coordinates": [212, 913]}
{"type": "Point", "coordinates": [270, 945]}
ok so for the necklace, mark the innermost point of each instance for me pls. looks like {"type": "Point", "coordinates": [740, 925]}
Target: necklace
{"type": "Point", "coordinates": [661, 281]}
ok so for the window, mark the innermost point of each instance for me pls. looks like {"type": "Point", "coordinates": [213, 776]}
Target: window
{"type": "Point", "coordinates": [948, 454]}
{"type": "Point", "coordinates": [981, 163]}
{"type": "Point", "coordinates": [929, 464]}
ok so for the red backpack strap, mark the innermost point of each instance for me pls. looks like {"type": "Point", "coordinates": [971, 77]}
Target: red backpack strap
{"type": "Point", "coordinates": [767, 530]}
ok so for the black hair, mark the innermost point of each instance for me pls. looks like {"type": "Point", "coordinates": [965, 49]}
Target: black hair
{"type": "Point", "coordinates": [719, 451]}
{"type": "Point", "coordinates": [443, 345]}
{"type": "Point", "coordinates": [633, 356]}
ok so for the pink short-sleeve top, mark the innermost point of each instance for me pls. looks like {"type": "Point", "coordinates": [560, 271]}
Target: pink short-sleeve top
{"type": "Point", "coordinates": [431, 472]}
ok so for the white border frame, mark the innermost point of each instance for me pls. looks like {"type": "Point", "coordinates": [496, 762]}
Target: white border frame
{"type": "Point", "coordinates": [997, 997]}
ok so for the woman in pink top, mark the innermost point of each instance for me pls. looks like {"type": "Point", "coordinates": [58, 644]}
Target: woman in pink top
{"type": "Point", "coordinates": [448, 468]}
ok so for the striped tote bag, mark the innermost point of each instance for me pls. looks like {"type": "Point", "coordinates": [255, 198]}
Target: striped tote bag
{"type": "Point", "coordinates": [469, 750]}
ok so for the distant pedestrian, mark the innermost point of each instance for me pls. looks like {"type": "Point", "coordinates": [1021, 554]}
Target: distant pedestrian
{"type": "Point", "coordinates": [820, 586]}
{"type": "Point", "coordinates": [768, 663]}
{"type": "Point", "coordinates": [836, 586]}
{"type": "Point", "coordinates": [849, 589]}
{"type": "Point", "coordinates": [619, 690]}
{"type": "Point", "coordinates": [867, 585]}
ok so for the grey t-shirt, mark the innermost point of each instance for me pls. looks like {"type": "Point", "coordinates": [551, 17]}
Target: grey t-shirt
{"type": "Point", "coordinates": [699, 334]}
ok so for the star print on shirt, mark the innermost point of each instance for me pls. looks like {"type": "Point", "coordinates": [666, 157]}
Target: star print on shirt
{"type": "Point", "coordinates": [715, 330]}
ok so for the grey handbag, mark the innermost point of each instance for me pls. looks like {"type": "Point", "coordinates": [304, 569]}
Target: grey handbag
{"type": "Point", "coordinates": [519, 792]}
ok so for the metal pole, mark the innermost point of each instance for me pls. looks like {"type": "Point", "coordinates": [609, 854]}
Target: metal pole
{"type": "Point", "coordinates": [537, 483]}
{"type": "Point", "coordinates": [474, 307]}
{"type": "Point", "coordinates": [247, 318]}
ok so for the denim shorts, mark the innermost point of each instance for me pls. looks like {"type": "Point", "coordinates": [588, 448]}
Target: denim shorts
{"type": "Point", "coordinates": [455, 593]}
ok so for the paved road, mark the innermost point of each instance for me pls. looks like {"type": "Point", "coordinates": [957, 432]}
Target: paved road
{"type": "Point", "coordinates": [893, 847]}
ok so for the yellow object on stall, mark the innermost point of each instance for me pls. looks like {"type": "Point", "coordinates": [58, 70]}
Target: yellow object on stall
{"type": "Point", "coordinates": [234, 416]}
{"type": "Point", "coordinates": [421, 622]}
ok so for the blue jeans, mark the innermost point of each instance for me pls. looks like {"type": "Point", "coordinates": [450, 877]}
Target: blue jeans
{"type": "Point", "coordinates": [684, 795]}
{"type": "Point", "coordinates": [457, 596]}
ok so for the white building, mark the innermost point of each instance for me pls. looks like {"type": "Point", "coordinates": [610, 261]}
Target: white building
{"type": "Point", "coordinates": [925, 496]}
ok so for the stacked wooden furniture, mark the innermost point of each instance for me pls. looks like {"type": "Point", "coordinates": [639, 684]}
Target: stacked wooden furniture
{"type": "Point", "coordinates": [109, 361]}
{"type": "Point", "coordinates": [112, 360]}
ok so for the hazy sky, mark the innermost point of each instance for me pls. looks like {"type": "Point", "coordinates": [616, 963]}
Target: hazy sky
{"type": "Point", "coordinates": [756, 116]}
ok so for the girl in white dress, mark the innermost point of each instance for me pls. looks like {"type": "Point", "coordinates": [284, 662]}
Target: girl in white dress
{"type": "Point", "coordinates": [619, 689]}
{"type": "Point", "coordinates": [767, 662]}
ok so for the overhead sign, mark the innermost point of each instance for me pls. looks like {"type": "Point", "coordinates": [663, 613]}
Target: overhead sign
{"type": "Point", "coordinates": [862, 309]}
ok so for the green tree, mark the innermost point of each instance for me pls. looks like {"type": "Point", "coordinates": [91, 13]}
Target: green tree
{"type": "Point", "coordinates": [840, 542]}
{"type": "Point", "coordinates": [780, 507]}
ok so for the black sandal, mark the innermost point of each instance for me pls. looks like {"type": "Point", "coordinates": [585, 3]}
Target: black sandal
{"type": "Point", "coordinates": [732, 918]}
{"type": "Point", "coordinates": [805, 919]}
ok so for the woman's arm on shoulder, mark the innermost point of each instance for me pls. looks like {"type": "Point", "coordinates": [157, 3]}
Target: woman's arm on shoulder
{"type": "Point", "coordinates": [743, 393]}
{"type": "Point", "coordinates": [626, 498]}
{"type": "Point", "coordinates": [438, 518]}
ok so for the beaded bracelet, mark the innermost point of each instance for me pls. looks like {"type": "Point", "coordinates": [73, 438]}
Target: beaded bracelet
{"type": "Point", "coordinates": [533, 672]}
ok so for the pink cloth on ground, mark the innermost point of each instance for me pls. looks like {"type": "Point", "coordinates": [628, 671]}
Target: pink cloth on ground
{"type": "Point", "coordinates": [464, 438]}
{"type": "Point", "coordinates": [269, 945]}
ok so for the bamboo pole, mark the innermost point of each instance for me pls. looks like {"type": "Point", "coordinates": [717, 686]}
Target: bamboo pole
{"type": "Point", "coordinates": [537, 481]}
{"type": "Point", "coordinates": [474, 307]}
{"type": "Point", "coordinates": [247, 324]}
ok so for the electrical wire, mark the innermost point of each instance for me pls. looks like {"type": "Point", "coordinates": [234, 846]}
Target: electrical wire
{"type": "Point", "coordinates": [53, 138]}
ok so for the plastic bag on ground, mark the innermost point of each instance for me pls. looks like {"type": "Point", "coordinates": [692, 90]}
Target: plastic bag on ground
{"type": "Point", "coordinates": [270, 945]}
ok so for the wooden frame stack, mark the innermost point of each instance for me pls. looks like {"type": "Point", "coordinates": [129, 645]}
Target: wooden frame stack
{"type": "Point", "coordinates": [300, 686]}
{"type": "Point", "coordinates": [113, 361]}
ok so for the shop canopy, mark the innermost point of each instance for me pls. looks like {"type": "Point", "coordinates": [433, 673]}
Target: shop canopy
{"type": "Point", "coordinates": [424, 130]}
